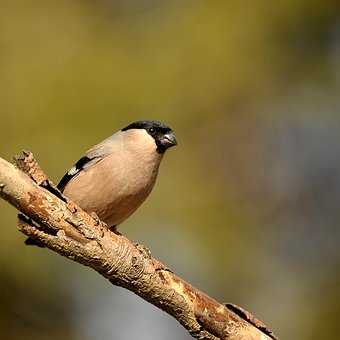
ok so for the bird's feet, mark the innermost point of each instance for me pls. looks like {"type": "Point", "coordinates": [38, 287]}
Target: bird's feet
{"type": "Point", "coordinates": [115, 230]}
{"type": "Point", "coordinates": [95, 217]}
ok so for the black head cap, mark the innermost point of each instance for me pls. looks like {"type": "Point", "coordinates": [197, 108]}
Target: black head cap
{"type": "Point", "coordinates": [161, 133]}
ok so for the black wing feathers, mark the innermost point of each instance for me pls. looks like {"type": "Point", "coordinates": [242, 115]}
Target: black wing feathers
{"type": "Point", "coordinates": [73, 172]}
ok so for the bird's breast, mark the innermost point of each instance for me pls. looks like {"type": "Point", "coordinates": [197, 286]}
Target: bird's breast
{"type": "Point", "coordinates": [114, 187]}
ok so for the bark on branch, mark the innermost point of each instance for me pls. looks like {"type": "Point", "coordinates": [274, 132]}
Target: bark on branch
{"type": "Point", "coordinates": [60, 225]}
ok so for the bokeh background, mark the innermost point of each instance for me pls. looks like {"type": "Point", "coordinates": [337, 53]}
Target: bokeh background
{"type": "Point", "coordinates": [246, 207]}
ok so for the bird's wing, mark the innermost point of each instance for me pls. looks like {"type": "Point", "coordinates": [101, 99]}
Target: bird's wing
{"type": "Point", "coordinates": [92, 156]}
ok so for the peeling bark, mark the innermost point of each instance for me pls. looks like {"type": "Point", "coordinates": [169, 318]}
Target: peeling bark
{"type": "Point", "coordinates": [60, 225]}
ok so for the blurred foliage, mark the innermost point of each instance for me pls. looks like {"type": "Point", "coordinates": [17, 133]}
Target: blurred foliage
{"type": "Point", "coordinates": [251, 89]}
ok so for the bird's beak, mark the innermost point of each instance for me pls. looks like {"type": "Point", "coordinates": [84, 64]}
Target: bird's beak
{"type": "Point", "coordinates": [169, 140]}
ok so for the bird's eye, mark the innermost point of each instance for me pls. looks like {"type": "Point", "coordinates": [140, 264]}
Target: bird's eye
{"type": "Point", "coordinates": [152, 130]}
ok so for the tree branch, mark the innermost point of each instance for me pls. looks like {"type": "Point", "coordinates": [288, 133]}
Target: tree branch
{"type": "Point", "coordinates": [57, 223]}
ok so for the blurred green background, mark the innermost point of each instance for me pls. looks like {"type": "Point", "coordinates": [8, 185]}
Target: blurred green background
{"type": "Point", "coordinates": [251, 214]}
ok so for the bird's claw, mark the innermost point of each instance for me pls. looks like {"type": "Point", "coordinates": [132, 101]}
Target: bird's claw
{"type": "Point", "coordinates": [115, 230]}
{"type": "Point", "coordinates": [95, 217]}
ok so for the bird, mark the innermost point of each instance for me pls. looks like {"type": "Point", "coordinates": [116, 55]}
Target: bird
{"type": "Point", "coordinates": [115, 176]}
